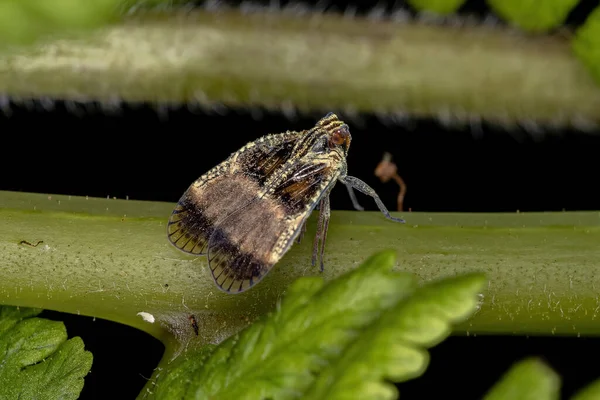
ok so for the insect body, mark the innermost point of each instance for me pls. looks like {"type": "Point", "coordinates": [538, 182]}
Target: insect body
{"type": "Point", "coordinates": [246, 212]}
{"type": "Point", "coordinates": [194, 323]}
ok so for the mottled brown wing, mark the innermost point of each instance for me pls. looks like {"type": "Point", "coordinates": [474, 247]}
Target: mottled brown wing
{"type": "Point", "coordinates": [226, 188]}
{"type": "Point", "coordinates": [244, 247]}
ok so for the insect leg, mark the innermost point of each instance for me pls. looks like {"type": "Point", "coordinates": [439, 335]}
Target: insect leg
{"type": "Point", "coordinates": [326, 212]}
{"type": "Point", "coordinates": [322, 224]}
{"type": "Point", "coordinates": [316, 241]}
{"type": "Point", "coordinates": [355, 202]}
{"type": "Point", "coordinates": [366, 189]}
{"type": "Point", "coordinates": [302, 232]}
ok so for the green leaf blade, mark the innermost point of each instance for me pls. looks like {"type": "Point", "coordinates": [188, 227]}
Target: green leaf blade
{"type": "Point", "coordinates": [9, 316]}
{"type": "Point", "coordinates": [532, 15]}
{"type": "Point", "coordinates": [32, 340]}
{"type": "Point", "coordinates": [36, 359]}
{"type": "Point", "coordinates": [391, 348]}
{"type": "Point", "coordinates": [586, 44]}
{"type": "Point", "coordinates": [427, 317]}
{"type": "Point", "coordinates": [278, 356]}
{"type": "Point", "coordinates": [529, 379]}
{"type": "Point", "coordinates": [289, 347]}
{"type": "Point", "coordinates": [176, 382]}
{"type": "Point", "coordinates": [68, 365]}
{"type": "Point", "coordinates": [589, 392]}
{"type": "Point", "coordinates": [334, 340]}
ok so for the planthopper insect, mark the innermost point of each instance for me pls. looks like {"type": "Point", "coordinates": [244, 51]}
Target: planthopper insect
{"type": "Point", "coordinates": [246, 212]}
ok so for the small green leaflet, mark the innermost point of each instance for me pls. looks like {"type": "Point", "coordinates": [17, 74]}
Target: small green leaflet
{"type": "Point", "coordinates": [335, 340]}
{"type": "Point", "coordinates": [36, 359]}
{"type": "Point", "coordinates": [533, 15]}
{"type": "Point", "coordinates": [590, 392]}
{"type": "Point", "coordinates": [586, 43]}
{"type": "Point", "coordinates": [529, 379]}
{"type": "Point", "coordinates": [532, 379]}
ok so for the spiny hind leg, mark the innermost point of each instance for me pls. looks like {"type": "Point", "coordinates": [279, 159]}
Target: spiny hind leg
{"type": "Point", "coordinates": [321, 236]}
{"type": "Point", "coordinates": [366, 189]}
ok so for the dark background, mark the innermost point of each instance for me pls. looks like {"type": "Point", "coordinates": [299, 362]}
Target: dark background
{"type": "Point", "coordinates": [149, 155]}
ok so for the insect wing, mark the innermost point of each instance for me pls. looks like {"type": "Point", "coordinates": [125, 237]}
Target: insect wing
{"type": "Point", "coordinates": [227, 187]}
{"type": "Point", "coordinates": [244, 247]}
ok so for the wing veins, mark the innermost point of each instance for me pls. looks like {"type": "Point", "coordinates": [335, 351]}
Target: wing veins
{"type": "Point", "coordinates": [264, 191]}
{"type": "Point", "coordinates": [214, 249]}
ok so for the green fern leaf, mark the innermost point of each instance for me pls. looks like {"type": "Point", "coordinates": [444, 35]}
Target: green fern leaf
{"type": "Point", "coordinates": [529, 379]}
{"type": "Point", "coordinates": [369, 324]}
{"type": "Point", "coordinates": [36, 359]}
{"type": "Point", "coordinates": [589, 392]}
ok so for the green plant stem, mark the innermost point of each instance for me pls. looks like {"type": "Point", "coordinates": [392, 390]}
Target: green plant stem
{"type": "Point", "coordinates": [111, 259]}
{"type": "Point", "coordinates": [314, 62]}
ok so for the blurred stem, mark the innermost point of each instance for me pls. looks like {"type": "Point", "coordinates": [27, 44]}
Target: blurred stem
{"type": "Point", "coordinates": [314, 62]}
{"type": "Point", "coordinates": [111, 259]}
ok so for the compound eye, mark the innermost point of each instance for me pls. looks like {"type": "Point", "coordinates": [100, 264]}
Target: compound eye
{"type": "Point", "coordinates": [338, 137]}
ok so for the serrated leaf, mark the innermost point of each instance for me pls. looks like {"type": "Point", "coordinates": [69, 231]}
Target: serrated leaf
{"type": "Point", "coordinates": [175, 383]}
{"type": "Point", "coordinates": [394, 346]}
{"type": "Point", "coordinates": [315, 337]}
{"type": "Point", "coordinates": [529, 379]}
{"type": "Point", "coordinates": [9, 316]}
{"type": "Point", "coordinates": [36, 359]}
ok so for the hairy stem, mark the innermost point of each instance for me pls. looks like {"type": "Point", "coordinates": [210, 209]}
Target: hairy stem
{"type": "Point", "coordinates": [314, 62]}
{"type": "Point", "coordinates": [110, 259]}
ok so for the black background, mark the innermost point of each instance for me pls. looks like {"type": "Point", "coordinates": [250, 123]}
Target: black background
{"type": "Point", "coordinates": [149, 155]}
